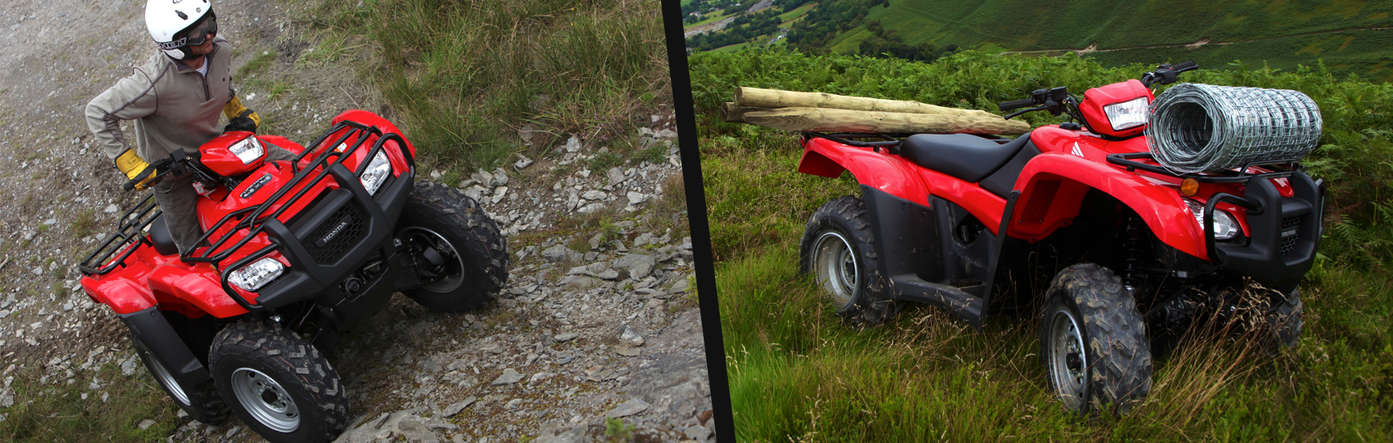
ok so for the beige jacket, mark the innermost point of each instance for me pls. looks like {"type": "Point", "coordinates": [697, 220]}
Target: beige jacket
{"type": "Point", "coordinates": [173, 106]}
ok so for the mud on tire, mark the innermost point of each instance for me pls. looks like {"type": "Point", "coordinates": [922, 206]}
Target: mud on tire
{"type": "Point", "coordinates": [838, 249]}
{"type": "Point", "coordinates": [202, 402]}
{"type": "Point", "coordinates": [1088, 310]}
{"type": "Point", "coordinates": [470, 264]}
{"type": "Point", "coordinates": [280, 385]}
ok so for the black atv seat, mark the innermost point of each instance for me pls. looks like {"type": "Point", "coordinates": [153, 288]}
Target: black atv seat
{"type": "Point", "coordinates": [161, 238]}
{"type": "Point", "coordinates": [964, 156]}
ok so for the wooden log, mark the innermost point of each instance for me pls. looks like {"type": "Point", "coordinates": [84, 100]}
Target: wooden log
{"type": "Point", "coordinates": [775, 98]}
{"type": "Point", "coordinates": [845, 120]}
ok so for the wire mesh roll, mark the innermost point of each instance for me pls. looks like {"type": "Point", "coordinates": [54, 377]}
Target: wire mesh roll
{"type": "Point", "coordinates": [1196, 127]}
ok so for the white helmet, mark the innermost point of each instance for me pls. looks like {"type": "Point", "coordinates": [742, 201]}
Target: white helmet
{"type": "Point", "coordinates": [170, 20]}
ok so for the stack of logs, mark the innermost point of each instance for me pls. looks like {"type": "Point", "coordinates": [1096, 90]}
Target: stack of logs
{"type": "Point", "coordinates": [821, 112]}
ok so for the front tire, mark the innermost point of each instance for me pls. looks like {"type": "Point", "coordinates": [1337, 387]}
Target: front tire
{"type": "Point", "coordinates": [280, 385]}
{"type": "Point", "coordinates": [838, 248]}
{"type": "Point", "coordinates": [202, 402]}
{"type": "Point", "coordinates": [1093, 341]}
{"type": "Point", "coordinates": [458, 251]}
{"type": "Point", "coordinates": [1284, 321]}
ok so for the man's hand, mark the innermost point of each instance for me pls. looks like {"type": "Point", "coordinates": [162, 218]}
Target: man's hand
{"type": "Point", "coordinates": [133, 166]}
{"type": "Point", "coordinates": [239, 118]}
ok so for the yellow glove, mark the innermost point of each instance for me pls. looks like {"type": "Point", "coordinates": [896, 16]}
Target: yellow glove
{"type": "Point", "coordinates": [132, 165]}
{"type": "Point", "coordinates": [238, 116]}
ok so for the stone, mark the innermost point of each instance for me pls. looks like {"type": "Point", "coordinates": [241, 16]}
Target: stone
{"type": "Point", "coordinates": [679, 287]}
{"type": "Point", "coordinates": [636, 197]}
{"type": "Point", "coordinates": [499, 193]}
{"type": "Point", "coordinates": [111, 209]}
{"type": "Point", "coordinates": [638, 266]}
{"type": "Point", "coordinates": [626, 351]}
{"type": "Point", "coordinates": [614, 175]}
{"type": "Point", "coordinates": [522, 163]}
{"type": "Point", "coordinates": [594, 195]}
{"type": "Point", "coordinates": [630, 337]}
{"type": "Point", "coordinates": [568, 336]}
{"type": "Point", "coordinates": [573, 144]}
{"type": "Point", "coordinates": [500, 177]}
{"type": "Point", "coordinates": [145, 424]}
{"type": "Point", "coordinates": [559, 253]}
{"type": "Point", "coordinates": [631, 407]}
{"type": "Point", "coordinates": [509, 377]}
{"type": "Point", "coordinates": [454, 408]}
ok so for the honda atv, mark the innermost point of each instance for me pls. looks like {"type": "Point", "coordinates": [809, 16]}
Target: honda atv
{"type": "Point", "coordinates": [294, 252]}
{"type": "Point", "coordinates": [1137, 253]}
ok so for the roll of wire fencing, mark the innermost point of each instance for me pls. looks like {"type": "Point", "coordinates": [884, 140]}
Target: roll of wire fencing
{"type": "Point", "coordinates": [1196, 127]}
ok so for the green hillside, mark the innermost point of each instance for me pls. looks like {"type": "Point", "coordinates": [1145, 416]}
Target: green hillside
{"type": "Point", "coordinates": [1348, 36]}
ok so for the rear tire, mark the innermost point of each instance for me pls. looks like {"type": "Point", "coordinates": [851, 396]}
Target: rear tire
{"type": "Point", "coordinates": [838, 248]}
{"type": "Point", "coordinates": [280, 385]}
{"type": "Point", "coordinates": [1093, 341]}
{"type": "Point", "coordinates": [459, 253]}
{"type": "Point", "coordinates": [202, 402]}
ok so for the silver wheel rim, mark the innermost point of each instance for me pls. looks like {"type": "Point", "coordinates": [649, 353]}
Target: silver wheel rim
{"type": "Point", "coordinates": [1068, 360]}
{"type": "Point", "coordinates": [167, 379]}
{"type": "Point", "coordinates": [836, 268]}
{"type": "Point", "coordinates": [265, 400]}
{"type": "Point", "coordinates": [453, 268]}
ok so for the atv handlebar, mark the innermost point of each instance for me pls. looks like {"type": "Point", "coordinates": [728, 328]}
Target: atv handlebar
{"type": "Point", "coordinates": [1167, 74]}
{"type": "Point", "coordinates": [1013, 104]}
{"type": "Point", "coordinates": [176, 163]}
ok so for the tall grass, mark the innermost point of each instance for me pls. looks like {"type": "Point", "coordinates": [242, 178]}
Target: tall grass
{"type": "Point", "coordinates": [467, 75]}
{"type": "Point", "coordinates": [798, 372]}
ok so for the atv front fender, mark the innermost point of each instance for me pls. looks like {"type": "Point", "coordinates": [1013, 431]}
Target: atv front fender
{"type": "Point", "coordinates": [1053, 186]}
{"type": "Point", "coordinates": [883, 172]}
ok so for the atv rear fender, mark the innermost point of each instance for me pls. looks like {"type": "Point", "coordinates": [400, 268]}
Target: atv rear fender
{"type": "Point", "coordinates": [826, 158]}
{"type": "Point", "coordinates": [1053, 186]}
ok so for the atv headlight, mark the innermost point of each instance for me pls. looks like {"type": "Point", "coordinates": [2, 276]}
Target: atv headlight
{"type": "Point", "coordinates": [1224, 225]}
{"type": "Point", "coordinates": [248, 150]}
{"type": "Point", "coordinates": [377, 171]}
{"type": "Point", "coordinates": [259, 273]}
{"type": "Point", "coordinates": [1128, 114]}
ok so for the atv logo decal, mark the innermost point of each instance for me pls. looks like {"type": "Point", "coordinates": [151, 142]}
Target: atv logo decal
{"type": "Point", "coordinates": [343, 223]}
{"type": "Point", "coordinates": [256, 186]}
{"type": "Point", "coordinates": [1077, 151]}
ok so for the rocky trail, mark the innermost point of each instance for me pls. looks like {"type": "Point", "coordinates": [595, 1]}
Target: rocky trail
{"type": "Point", "coordinates": [597, 335]}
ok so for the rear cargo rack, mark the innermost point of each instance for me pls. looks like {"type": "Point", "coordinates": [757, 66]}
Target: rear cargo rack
{"type": "Point", "coordinates": [121, 243]}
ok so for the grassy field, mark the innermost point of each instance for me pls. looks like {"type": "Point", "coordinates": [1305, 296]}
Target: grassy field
{"type": "Point", "coordinates": [798, 372]}
{"type": "Point", "coordinates": [469, 75]}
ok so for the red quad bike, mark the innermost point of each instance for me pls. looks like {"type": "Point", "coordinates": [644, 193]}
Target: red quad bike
{"type": "Point", "coordinates": [294, 253]}
{"type": "Point", "coordinates": [1133, 249]}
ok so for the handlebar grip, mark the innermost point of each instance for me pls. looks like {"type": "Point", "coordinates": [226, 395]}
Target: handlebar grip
{"type": "Point", "coordinates": [1013, 104]}
{"type": "Point", "coordinates": [1186, 66]}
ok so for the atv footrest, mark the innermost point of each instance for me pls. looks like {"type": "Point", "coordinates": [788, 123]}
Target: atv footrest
{"type": "Point", "coordinates": [960, 303]}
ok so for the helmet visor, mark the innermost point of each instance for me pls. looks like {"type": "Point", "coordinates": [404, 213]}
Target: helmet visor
{"type": "Point", "coordinates": [201, 31]}
{"type": "Point", "coordinates": [196, 34]}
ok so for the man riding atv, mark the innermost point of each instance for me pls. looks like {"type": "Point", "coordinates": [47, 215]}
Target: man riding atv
{"type": "Point", "coordinates": [174, 99]}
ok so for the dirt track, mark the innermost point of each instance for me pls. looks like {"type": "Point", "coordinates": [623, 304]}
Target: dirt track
{"type": "Point", "coordinates": [566, 324]}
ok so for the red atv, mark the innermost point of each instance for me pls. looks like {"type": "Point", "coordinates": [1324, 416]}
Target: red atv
{"type": "Point", "coordinates": [1133, 248]}
{"type": "Point", "coordinates": [294, 252]}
